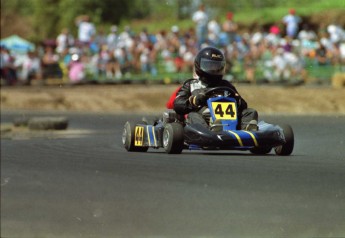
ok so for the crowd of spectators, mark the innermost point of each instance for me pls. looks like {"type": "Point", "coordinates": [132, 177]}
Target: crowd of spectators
{"type": "Point", "coordinates": [283, 51]}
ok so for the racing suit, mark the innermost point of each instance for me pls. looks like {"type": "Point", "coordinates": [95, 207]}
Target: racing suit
{"type": "Point", "coordinates": [201, 114]}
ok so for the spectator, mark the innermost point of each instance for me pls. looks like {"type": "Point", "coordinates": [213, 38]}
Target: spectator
{"type": "Point", "coordinates": [306, 34]}
{"type": "Point", "coordinates": [257, 37]}
{"type": "Point", "coordinates": [94, 45]}
{"type": "Point", "coordinates": [100, 38]}
{"type": "Point", "coordinates": [162, 41]}
{"type": "Point", "coordinates": [188, 56]}
{"type": "Point", "coordinates": [174, 38]}
{"type": "Point", "coordinates": [333, 53]}
{"type": "Point", "coordinates": [143, 35]}
{"type": "Point", "coordinates": [342, 55]}
{"type": "Point", "coordinates": [76, 69]}
{"type": "Point", "coordinates": [291, 22]}
{"type": "Point", "coordinates": [31, 68]}
{"type": "Point", "coordinates": [295, 65]}
{"type": "Point", "coordinates": [112, 66]}
{"type": "Point", "coordinates": [112, 38]}
{"type": "Point", "coordinates": [230, 27]}
{"type": "Point", "coordinates": [214, 29]}
{"type": "Point", "coordinates": [148, 59]}
{"type": "Point", "coordinates": [8, 71]}
{"type": "Point", "coordinates": [127, 42]}
{"type": "Point", "coordinates": [281, 71]}
{"type": "Point", "coordinates": [175, 45]}
{"type": "Point", "coordinates": [321, 57]}
{"type": "Point", "coordinates": [249, 68]}
{"type": "Point", "coordinates": [337, 34]}
{"type": "Point", "coordinates": [286, 44]}
{"type": "Point", "coordinates": [86, 29]}
{"type": "Point", "coordinates": [267, 61]}
{"type": "Point", "coordinates": [102, 62]}
{"type": "Point", "coordinates": [200, 18]}
{"type": "Point", "coordinates": [273, 37]}
{"type": "Point", "coordinates": [64, 40]}
{"type": "Point", "coordinates": [50, 63]}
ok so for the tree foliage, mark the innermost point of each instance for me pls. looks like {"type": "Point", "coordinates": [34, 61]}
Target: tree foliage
{"type": "Point", "coordinates": [48, 17]}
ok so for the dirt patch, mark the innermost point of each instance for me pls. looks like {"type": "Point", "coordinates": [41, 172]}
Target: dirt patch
{"type": "Point", "coordinates": [152, 98]}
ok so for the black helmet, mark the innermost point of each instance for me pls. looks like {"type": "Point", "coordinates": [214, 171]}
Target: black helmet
{"type": "Point", "coordinates": [209, 64]}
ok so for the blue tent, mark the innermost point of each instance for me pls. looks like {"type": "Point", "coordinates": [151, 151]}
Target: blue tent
{"type": "Point", "coordinates": [18, 44]}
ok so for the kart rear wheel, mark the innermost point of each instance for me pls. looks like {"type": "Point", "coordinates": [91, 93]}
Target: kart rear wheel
{"type": "Point", "coordinates": [128, 139]}
{"type": "Point", "coordinates": [287, 148]}
{"type": "Point", "coordinates": [173, 138]}
{"type": "Point", "coordinates": [261, 150]}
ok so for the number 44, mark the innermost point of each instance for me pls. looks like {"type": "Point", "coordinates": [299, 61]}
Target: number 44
{"type": "Point", "coordinates": [225, 110]}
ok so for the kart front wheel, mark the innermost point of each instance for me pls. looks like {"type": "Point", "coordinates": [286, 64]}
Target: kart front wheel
{"type": "Point", "coordinates": [128, 138]}
{"type": "Point", "coordinates": [173, 138]}
{"type": "Point", "coordinates": [287, 147]}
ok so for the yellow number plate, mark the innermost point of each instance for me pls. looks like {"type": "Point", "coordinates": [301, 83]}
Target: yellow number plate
{"type": "Point", "coordinates": [224, 110]}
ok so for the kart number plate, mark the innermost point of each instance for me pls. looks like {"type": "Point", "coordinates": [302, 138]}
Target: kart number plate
{"type": "Point", "coordinates": [224, 110]}
{"type": "Point", "coordinates": [139, 136]}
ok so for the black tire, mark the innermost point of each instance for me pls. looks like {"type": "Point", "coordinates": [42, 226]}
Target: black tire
{"type": "Point", "coordinates": [128, 139]}
{"type": "Point", "coordinates": [287, 147]}
{"type": "Point", "coordinates": [173, 138]}
{"type": "Point", "coordinates": [261, 150]}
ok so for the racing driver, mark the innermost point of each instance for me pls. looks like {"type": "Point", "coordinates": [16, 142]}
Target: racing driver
{"type": "Point", "coordinates": [209, 67]}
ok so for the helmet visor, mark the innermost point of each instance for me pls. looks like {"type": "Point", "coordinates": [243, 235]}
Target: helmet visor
{"type": "Point", "coordinates": [212, 66]}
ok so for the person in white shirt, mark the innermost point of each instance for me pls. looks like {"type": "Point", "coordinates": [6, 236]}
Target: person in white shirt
{"type": "Point", "coordinates": [280, 64]}
{"type": "Point", "coordinates": [86, 29]}
{"type": "Point", "coordinates": [112, 38]}
{"type": "Point", "coordinates": [201, 19]}
{"type": "Point", "coordinates": [214, 30]}
{"type": "Point", "coordinates": [30, 68]}
{"type": "Point", "coordinates": [336, 33]}
{"type": "Point", "coordinates": [64, 40]}
{"type": "Point", "coordinates": [292, 22]}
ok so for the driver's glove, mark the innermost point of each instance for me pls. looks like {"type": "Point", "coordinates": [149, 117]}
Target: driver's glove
{"type": "Point", "coordinates": [198, 100]}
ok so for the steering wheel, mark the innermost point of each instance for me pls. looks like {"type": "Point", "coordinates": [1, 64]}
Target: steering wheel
{"type": "Point", "coordinates": [213, 91]}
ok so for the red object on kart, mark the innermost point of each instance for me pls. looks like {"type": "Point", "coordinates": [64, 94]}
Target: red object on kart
{"type": "Point", "coordinates": [170, 103]}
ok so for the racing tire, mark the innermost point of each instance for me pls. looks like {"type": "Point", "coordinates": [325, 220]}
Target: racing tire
{"type": "Point", "coordinates": [173, 138]}
{"type": "Point", "coordinates": [261, 150]}
{"type": "Point", "coordinates": [287, 147]}
{"type": "Point", "coordinates": [128, 139]}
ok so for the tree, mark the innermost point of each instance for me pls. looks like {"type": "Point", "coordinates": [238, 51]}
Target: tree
{"type": "Point", "coordinates": [50, 16]}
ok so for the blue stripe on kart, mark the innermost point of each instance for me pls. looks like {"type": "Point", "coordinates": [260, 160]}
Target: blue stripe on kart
{"type": "Point", "coordinates": [148, 135]}
{"type": "Point", "coordinates": [151, 136]}
{"type": "Point", "coordinates": [154, 135]}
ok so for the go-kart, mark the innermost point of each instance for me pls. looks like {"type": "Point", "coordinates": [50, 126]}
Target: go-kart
{"type": "Point", "coordinates": [173, 133]}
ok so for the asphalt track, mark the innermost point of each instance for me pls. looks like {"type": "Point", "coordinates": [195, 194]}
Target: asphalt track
{"type": "Point", "coordinates": [82, 183]}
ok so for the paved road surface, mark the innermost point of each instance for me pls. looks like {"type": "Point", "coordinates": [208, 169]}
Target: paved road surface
{"type": "Point", "coordinates": [82, 183]}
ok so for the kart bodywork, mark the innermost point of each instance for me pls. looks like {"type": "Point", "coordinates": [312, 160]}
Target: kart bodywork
{"type": "Point", "coordinates": [175, 134]}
